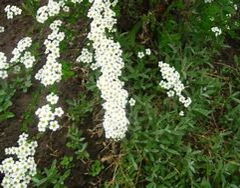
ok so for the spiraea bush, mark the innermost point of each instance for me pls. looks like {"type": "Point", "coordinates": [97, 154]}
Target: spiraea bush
{"type": "Point", "coordinates": [137, 93]}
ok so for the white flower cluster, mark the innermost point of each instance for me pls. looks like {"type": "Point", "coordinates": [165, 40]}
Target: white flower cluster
{"type": "Point", "coordinates": [51, 72]}
{"type": "Point", "coordinates": [217, 31]}
{"type": "Point", "coordinates": [48, 113]}
{"type": "Point", "coordinates": [18, 173]}
{"type": "Point", "coordinates": [85, 56]}
{"type": "Point", "coordinates": [2, 29]}
{"type": "Point", "coordinates": [12, 11]}
{"type": "Point", "coordinates": [3, 66]}
{"type": "Point", "coordinates": [142, 54]}
{"type": "Point", "coordinates": [171, 81]}
{"type": "Point", "coordinates": [44, 12]}
{"type": "Point", "coordinates": [21, 55]}
{"type": "Point", "coordinates": [53, 8]}
{"type": "Point", "coordinates": [108, 59]}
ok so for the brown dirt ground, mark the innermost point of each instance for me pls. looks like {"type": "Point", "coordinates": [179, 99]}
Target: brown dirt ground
{"type": "Point", "coordinates": [52, 145]}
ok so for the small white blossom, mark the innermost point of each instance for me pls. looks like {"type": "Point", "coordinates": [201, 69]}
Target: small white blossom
{"type": "Point", "coordinates": [141, 55]}
{"type": "Point", "coordinates": [1, 29]}
{"type": "Point", "coordinates": [181, 113]}
{"type": "Point", "coordinates": [170, 93]}
{"type": "Point", "coordinates": [217, 31]}
{"type": "Point", "coordinates": [208, 1]}
{"type": "Point", "coordinates": [58, 112]}
{"type": "Point", "coordinates": [131, 102]}
{"type": "Point", "coordinates": [66, 9]}
{"type": "Point", "coordinates": [148, 51]}
{"type": "Point", "coordinates": [54, 125]}
{"type": "Point", "coordinates": [52, 98]}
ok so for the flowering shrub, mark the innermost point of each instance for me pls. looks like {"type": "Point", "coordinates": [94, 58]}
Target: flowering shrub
{"type": "Point", "coordinates": [107, 52]}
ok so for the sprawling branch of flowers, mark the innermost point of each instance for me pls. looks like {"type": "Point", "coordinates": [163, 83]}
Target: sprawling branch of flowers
{"type": "Point", "coordinates": [108, 57]}
{"type": "Point", "coordinates": [51, 72]}
{"type": "Point", "coordinates": [171, 82]}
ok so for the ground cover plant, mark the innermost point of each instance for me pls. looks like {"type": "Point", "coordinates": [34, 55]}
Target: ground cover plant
{"type": "Point", "coordinates": [131, 93]}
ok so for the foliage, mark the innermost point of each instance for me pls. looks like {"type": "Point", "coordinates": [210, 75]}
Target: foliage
{"type": "Point", "coordinates": [51, 177]}
{"type": "Point", "coordinates": [76, 142]}
{"type": "Point", "coordinates": [96, 168]}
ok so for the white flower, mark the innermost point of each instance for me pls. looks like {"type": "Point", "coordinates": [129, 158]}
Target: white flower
{"type": "Point", "coordinates": [141, 55]}
{"type": "Point", "coordinates": [58, 112]}
{"type": "Point", "coordinates": [148, 51]}
{"type": "Point", "coordinates": [170, 93]}
{"type": "Point", "coordinates": [131, 102]}
{"type": "Point", "coordinates": [1, 29]}
{"type": "Point", "coordinates": [208, 1]}
{"type": "Point", "coordinates": [3, 74]}
{"type": "Point", "coordinates": [181, 113]}
{"type": "Point", "coordinates": [54, 125]}
{"type": "Point", "coordinates": [52, 98]}
{"type": "Point", "coordinates": [66, 9]}
{"type": "Point", "coordinates": [217, 31]}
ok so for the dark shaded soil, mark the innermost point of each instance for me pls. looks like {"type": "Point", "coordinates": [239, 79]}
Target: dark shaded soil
{"type": "Point", "coordinates": [53, 145]}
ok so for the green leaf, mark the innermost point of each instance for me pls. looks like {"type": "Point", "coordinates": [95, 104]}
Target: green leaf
{"type": "Point", "coordinates": [6, 115]}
